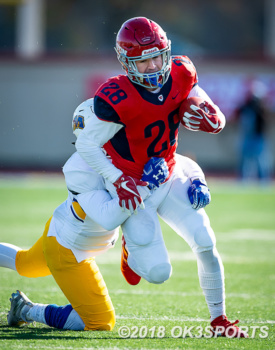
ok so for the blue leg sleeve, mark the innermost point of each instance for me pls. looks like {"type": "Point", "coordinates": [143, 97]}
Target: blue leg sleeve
{"type": "Point", "coordinates": [56, 316]}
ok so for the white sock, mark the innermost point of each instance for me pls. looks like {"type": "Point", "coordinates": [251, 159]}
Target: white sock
{"type": "Point", "coordinates": [7, 255]}
{"type": "Point", "coordinates": [35, 313]}
{"type": "Point", "coordinates": [213, 290]}
{"type": "Point", "coordinates": [211, 277]}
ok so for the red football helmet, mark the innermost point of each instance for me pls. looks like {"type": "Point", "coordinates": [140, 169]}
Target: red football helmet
{"type": "Point", "coordinates": [139, 38]}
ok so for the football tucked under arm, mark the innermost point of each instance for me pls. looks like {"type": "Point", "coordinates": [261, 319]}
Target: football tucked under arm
{"type": "Point", "coordinates": [197, 114]}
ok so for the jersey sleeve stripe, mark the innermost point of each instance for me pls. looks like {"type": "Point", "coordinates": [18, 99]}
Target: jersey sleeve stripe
{"type": "Point", "coordinates": [77, 211]}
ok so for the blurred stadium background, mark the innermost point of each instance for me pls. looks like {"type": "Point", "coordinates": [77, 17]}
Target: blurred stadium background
{"type": "Point", "coordinates": [54, 54]}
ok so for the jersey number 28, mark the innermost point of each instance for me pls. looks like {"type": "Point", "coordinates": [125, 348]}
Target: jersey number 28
{"type": "Point", "coordinates": [154, 149]}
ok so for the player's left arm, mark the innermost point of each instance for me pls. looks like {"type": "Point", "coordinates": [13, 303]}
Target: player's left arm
{"type": "Point", "coordinates": [198, 191]}
{"type": "Point", "coordinates": [207, 114]}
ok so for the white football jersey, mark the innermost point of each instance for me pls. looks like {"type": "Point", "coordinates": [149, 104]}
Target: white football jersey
{"type": "Point", "coordinates": [87, 222]}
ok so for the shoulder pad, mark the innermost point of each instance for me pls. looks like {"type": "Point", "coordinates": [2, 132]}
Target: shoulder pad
{"type": "Point", "coordinates": [186, 65]}
{"type": "Point", "coordinates": [81, 115]}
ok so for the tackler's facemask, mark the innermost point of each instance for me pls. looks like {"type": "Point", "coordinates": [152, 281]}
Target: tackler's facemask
{"type": "Point", "coordinates": [139, 39]}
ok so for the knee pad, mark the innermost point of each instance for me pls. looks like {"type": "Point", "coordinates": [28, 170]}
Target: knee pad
{"type": "Point", "coordinates": [160, 273]}
{"type": "Point", "coordinates": [141, 231]}
{"type": "Point", "coordinates": [204, 239]}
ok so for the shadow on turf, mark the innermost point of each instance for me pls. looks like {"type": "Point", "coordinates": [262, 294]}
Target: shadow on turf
{"type": "Point", "coordinates": [9, 333]}
{"type": "Point", "coordinates": [25, 333]}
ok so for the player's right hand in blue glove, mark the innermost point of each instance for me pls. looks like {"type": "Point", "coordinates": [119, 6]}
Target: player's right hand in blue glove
{"type": "Point", "coordinates": [199, 194]}
{"type": "Point", "coordinates": [155, 172]}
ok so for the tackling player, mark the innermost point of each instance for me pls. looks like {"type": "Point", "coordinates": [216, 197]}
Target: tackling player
{"type": "Point", "coordinates": [137, 119]}
{"type": "Point", "coordinates": [81, 228]}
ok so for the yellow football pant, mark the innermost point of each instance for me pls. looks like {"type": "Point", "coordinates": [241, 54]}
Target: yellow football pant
{"type": "Point", "coordinates": [81, 283]}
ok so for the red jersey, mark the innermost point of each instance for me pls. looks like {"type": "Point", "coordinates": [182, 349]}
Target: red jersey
{"type": "Point", "coordinates": [150, 120]}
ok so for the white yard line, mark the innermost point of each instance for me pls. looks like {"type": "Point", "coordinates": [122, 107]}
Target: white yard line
{"type": "Point", "coordinates": [247, 234]}
{"type": "Point", "coordinates": [142, 292]}
{"type": "Point", "coordinates": [180, 294]}
{"type": "Point", "coordinates": [146, 292]}
{"type": "Point", "coordinates": [185, 319]}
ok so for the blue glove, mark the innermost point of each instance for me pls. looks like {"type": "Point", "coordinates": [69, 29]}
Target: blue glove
{"type": "Point", "coordinates": [155, 172]}
{"type": "Point", "coordinates": [199, 194]}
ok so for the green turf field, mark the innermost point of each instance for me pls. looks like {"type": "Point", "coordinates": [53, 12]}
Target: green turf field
{"type": "Point", "coordinates": [243, 219]}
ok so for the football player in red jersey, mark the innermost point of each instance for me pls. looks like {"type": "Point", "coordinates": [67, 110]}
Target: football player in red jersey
{"type": "Point", "coordinates": [137, 119]}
